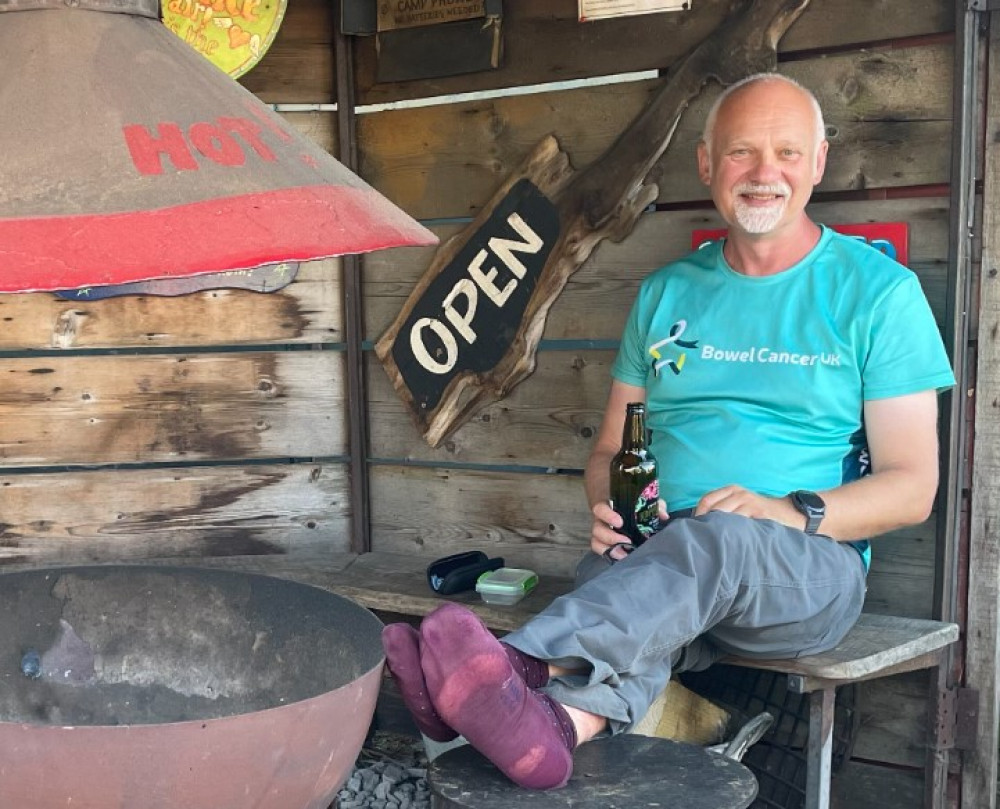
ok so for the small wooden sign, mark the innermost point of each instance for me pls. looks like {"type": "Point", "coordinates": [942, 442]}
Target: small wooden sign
{"type": "Point", "coordinates": [465, 320]}
{"type": "Point", "coordinates": [603, 9]}
{"type": "Point", "coordinates": [393, 14]}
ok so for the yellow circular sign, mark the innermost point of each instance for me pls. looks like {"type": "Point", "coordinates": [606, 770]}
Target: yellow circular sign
{"type": "Point", "coordinates": [233, 34]}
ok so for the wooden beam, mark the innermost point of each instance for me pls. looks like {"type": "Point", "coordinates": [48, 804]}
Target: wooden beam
{"type": "Point", "coordinates": [979, 772]}
{"type": "Point", "coordinates": [357, 390]}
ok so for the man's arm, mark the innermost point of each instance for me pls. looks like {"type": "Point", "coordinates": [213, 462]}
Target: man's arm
{"type": "Point", "coordinates": [902, 441]}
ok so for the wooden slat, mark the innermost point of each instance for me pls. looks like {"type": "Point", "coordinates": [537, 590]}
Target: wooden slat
{"type": "Point", "coordinates": [597, 298]}
{"type": "Point", "coordinates": [306, 311]}
{"type": "Point", "coordinates": [877, 644]}
{"type": "Point", "coordinates": [535, 521]}
{"type": "Point", "coordinates": [893, 722]}
{"type": "Point", "coordinates": [864, 786]}
{"type": "Point", "coordinates": [543, 41]}
{"type": "Point", "coordinates": [982, 660]}
{"type": "Point", "coordinates": [264, 512]}
{"type": "Point", "coordinates": [888, 114]}
{"type": "Point", "coordinates": [320, 127]}
{"type": "Point", "coordinates": [143, 409]}
{"type": "Point", "coordinates": [298, 67]}
{"type": "Point", "coordinates": [549, 420]}
{"type": "Point", "coordinates": [902, 575]}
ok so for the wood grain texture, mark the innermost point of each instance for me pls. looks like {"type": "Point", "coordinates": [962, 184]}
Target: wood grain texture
{"type": "Point", "coordinates": [867, 786]}
{"type": "Point", "coordinates": [261, 512]}
{"type": "Point", "coordinates": [888, 113]}
{"type": "Point", "coordinates": [306, 311]}
{"type": "Point", "coordinates": [543, 42]}
{"type": "Point", "coordinates": [299, 66]}
{"type": "Point", "coordinates": [982, 659]}
{"type": "Point", "coordinates": [535, 521]}
{"type": "Point", "coordinates": [156, 408]}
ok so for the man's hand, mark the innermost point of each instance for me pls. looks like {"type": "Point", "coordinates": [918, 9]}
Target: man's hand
{"type": "Point", "coordinates": [737, 500]}
{"type": "Point", "coordinates": [603, 535]}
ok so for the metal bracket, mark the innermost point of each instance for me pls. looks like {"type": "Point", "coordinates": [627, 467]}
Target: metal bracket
{"type": "Point", "coordinates": [983, 5]}
{"type": "Point", "coordinates": [966, 718]}
{"type": "Point", "coordinates": [957, 719]}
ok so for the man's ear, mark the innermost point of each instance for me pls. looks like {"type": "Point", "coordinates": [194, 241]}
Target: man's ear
{"type": "Point", "coordinates": [824, 147]}
{"type": "Point", "coordinates": [704, 164]}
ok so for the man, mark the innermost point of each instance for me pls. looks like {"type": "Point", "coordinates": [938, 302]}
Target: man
{"type": "Point", "coordinates": [801, 422]}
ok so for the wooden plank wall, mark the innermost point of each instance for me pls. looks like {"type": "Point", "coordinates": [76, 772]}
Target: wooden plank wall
{"type": "Point", "coordinates": [213, 425]}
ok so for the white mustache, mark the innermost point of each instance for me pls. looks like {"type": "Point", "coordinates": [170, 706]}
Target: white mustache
{"type": "Point", "coordinates": [779, 189]}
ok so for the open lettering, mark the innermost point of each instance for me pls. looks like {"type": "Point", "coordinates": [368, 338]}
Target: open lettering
{"type": "Point", "coordinates": [460, 305]}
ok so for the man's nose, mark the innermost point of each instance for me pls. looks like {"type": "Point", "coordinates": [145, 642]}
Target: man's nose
{"type": "Point", "coordinates": [765, 168]}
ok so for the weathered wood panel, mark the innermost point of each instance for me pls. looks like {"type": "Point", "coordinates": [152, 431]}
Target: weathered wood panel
{"type": "Point", "coordinates": [864, 786]}
{"type": "Point", "coordinates": [170, 408]}
{"type": "Point", "coordinates": [543, 41]}
{"type": "Point", "coordinates": [597, 298]}
{"type": "Point", "coordinates": [901, 581]}
{"type": "Point", "coordinates": [549, 420]}
{"type": "Point", "coordinates": [893, 723]}
{"type": "Point", "coordinates": [318, 126]}
{"type": "Point", "coordinates": [535, 521]}
{"type": "Point", "coordinates": [292, 511]}
{"type": "Point", "coordinates": [306, 311]}
{"type": "Point", "coordinates": [982, 651]}
{"type": "Point", "coordinates": [299, 66]}
{"type": "Point", "coordinates": [888, 115]}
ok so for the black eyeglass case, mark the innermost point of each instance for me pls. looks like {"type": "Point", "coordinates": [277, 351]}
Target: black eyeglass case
{"type": "Point", "coordinates": [459, 572]}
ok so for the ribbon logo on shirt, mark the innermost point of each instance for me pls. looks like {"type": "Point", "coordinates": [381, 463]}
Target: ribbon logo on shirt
{"type": "Point", "coordinates": [674, 338]}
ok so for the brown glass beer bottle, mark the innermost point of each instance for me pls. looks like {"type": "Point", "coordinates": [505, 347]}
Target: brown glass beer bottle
{"type": "Point", "coordinates": [635, 486]}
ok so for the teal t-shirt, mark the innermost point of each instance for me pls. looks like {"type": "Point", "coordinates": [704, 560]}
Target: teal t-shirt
{"type": "Point", "coordinates": [760, 381]}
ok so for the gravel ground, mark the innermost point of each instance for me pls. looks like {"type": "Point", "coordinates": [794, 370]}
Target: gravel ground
{"type": "Point", "coordinates": [390, 773]}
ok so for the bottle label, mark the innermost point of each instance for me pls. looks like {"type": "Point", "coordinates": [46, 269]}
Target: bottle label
{"type": "Point", "coordinates": [647, 509]}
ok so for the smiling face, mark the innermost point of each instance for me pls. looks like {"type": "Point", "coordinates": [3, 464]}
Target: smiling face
{"type": "Point", "coordinates": [764, 157]}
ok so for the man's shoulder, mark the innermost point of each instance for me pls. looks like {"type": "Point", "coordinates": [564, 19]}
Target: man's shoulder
{"type": "Point", "coordinates": [855, 255]}
{"type": "Point", "coordinates": [702, 259]}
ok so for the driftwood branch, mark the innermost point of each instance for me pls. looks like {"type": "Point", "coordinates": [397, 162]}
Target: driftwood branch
{"type": "Point", "coordinates": [602, 201]}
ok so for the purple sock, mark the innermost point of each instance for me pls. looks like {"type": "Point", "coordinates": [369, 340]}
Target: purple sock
{"type": "Point", "coordinates": [402, 653]}
{"type": "Point", "coordinates": [533, 671]}
{"type": "Point", "coordinates": [479, 693]}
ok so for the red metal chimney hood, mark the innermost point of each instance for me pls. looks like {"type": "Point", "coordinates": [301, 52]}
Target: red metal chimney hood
{"type": "Point", "coordinates": [125, 155]}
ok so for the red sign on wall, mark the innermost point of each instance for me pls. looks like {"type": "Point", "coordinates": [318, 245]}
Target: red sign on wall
{"type": "Point", "coordinates": [891, 238]}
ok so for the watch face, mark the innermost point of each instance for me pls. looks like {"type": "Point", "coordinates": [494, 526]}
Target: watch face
{"type": "Point", "coordinates": [810, 500]}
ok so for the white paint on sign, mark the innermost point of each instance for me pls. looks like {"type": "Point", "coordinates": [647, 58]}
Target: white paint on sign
{"type": "Point", "coordinates": [603, 9]}
{"type": "Point", "coordinates": [461, 321]}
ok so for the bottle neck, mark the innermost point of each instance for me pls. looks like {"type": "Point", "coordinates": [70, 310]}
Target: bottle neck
{"type": "Point", "coordinates": [634, 435]}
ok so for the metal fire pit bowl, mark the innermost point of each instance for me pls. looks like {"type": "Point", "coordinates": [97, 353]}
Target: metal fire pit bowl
{"type": "Point", "coordinates": [180, 688]}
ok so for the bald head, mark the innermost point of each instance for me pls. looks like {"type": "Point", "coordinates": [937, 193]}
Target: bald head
{"type": "Point", "coordinates": [746, 84]}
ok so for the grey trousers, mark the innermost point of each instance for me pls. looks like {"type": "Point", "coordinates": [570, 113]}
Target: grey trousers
{"type": "Point", "coordinates": [699, 589]}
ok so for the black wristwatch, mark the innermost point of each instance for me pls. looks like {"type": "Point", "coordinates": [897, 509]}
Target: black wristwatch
{"type": "Point", "coordinates": [812, 505]}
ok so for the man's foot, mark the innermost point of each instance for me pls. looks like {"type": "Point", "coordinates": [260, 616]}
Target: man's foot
{"type": "Point", "coordinates": [477, 691]}
{"type": "Point", "coordinates": [401, 643]}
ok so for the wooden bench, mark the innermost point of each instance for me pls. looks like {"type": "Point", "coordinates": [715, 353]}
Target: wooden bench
{"type": "Point", "coordinates": [878, 646]}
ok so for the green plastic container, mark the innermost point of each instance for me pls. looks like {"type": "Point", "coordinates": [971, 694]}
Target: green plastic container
{"type": "Point", "coordinates": [506, 586]}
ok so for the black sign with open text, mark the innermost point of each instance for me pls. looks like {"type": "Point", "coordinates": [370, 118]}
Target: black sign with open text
{"type": "Point", "coordinates": [469, 315]}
